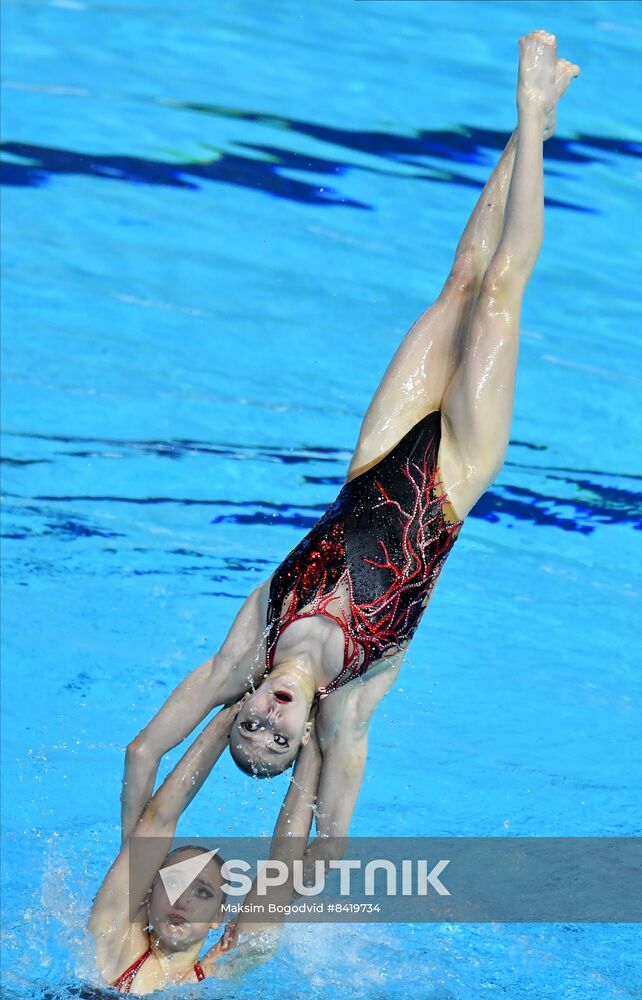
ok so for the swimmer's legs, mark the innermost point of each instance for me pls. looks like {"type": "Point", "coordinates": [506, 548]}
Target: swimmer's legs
{"type": "Point", "coordinates": [478, 403]}
{"type": "Point", "coordinates": [427, 358]}
{"type": "Point", "coordinates": [430, 354]}
{"type": "Point", "coordinates": [481, 235]}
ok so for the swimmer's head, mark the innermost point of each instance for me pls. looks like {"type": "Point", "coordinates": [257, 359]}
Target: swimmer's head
{"type": "Point", "coordinates": [180, 924]}
{"type": "Point", "coordinates": [271, 726]}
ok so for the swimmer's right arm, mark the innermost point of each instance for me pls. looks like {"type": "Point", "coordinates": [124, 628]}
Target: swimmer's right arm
{"type": "Point", "coordinates": [343, 735]}
{"type": "Point", "coordinates": [221, 680]}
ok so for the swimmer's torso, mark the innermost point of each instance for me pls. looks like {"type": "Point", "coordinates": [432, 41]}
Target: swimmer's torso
{"type": "Point", "coordinates": [353, 591]}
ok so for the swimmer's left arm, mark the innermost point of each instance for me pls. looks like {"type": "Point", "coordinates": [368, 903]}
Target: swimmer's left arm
{"type": "Point", "coordinates": [220, 680]}
{"type": "Point", "coordinates": [342, 770]}
{"type": "Point", "coordinates": [111, 922]}
{"type": "Point", "coordinates": [188, 776]}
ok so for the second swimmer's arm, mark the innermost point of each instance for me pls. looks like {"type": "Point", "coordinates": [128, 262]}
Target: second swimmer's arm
{"type": "Point", "coordinates": [293, 824]}
{"type": "Point", "coordinates": [260, 939]}
{"type": "Point", "coordinates": [115, 933]}
{"type": "Point", "coordinates": [220, 680]}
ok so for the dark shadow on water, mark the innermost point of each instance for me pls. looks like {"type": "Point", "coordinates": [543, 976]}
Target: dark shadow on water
{"type": "Point", "coordinates": [430, 155]}
{"type": "Point", "coordinates": [592, 506]}
{"type": "Point", "coordinates": [465, 144]}
{"type": "Point", "coordinates": [183, 448]}
{"type": "Point", "coordinates": [240, 171]}
{"type": "Point", "coordinates": [587, 499]}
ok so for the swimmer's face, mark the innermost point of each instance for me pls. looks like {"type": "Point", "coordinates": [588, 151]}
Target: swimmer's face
{"type": "Point", "coordinates": [188, 920]}
{"type": "Point", "coordinates": [271, 727]}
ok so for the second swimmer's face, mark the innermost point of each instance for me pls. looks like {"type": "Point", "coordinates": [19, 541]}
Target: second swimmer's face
{"type": "Point", "coordinates": [270, 728]}
{"type": "Point", "coordinates": [188, 919]}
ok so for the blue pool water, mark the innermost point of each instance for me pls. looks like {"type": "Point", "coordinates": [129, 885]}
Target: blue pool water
{"type": "Point", "coordinates": [219, 221]}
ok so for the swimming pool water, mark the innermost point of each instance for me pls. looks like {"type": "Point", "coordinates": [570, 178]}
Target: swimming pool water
{"type": "Point", "coordinates": [219, 221]}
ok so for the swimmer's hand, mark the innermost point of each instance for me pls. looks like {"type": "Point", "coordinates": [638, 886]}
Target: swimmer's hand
{"type": "Point", "coordinates": [218, 728]}
{"type": "Point", "coordinates": [232, 710]}
{"type": "Point", "coordinates": [225, 943]}
{"type": "Point", "coordinates": [230, 936]}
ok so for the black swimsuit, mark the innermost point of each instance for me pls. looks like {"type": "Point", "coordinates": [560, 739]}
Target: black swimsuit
{"type": "Point", "coordinates": [372, 560]}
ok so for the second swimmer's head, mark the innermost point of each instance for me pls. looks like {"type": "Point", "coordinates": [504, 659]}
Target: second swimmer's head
{"type": "Point", "coordinates": [271, 727]}
{"type": "Point", "coordinates": [181, 912]}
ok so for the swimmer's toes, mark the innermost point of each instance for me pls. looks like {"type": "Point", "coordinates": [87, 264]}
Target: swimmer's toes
{"type": "Point", "coordinates": [565, 71]}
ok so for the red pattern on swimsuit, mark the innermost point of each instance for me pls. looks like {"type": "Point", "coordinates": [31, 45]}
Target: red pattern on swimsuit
{"type": "Point", "coordinates": [371, 562]}
{"type": "Point", "coordinates": [124, 982]}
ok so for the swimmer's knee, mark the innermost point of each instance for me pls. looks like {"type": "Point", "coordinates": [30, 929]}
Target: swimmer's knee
{"type": "Point", "coordinates": [465, 272]}
{"type": "Point", "coordinates": [505, 279]}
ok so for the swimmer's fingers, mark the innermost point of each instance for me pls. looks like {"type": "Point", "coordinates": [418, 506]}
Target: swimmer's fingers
{"type": "Point", "coordinates": [220, 725]}
{"type": "Point", "coordinates": [229, 712]}
{"type": "Point", "coordinates": [223, 945]}
{"type": "Point", "coordinates": [230, 936]}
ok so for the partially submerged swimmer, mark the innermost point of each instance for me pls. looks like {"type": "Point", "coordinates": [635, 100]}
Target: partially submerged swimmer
{"type": "Point", "coordinates": [143, 941]}
{"type": "Point", "coordinates": [176, 935]}
{"type": "Point", "coordinates": [335, 620]}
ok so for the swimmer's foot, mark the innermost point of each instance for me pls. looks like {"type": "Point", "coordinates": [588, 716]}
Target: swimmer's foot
{"type": "Point", "coordinates": [565, 71]}
{"type": "Point", "coordinates": [536, 76]}
{"type": "Point", "coordinates": [543, 78]}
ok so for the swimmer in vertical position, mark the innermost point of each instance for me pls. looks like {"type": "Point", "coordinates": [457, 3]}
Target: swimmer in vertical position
{"type": "Point", "coordinates": [335, 619]}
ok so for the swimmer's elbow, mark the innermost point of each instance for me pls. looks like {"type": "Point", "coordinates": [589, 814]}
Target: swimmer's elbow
{"type": "Point", "coordinates": [137, 749]}
{"type": "Point", "coordinates": [141, 754]}
{"type": "Point", "coordinates": [152, 742]}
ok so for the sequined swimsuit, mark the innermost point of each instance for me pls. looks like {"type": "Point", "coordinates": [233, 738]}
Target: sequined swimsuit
{"type": "Point", "coordinates": [372, 560]}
